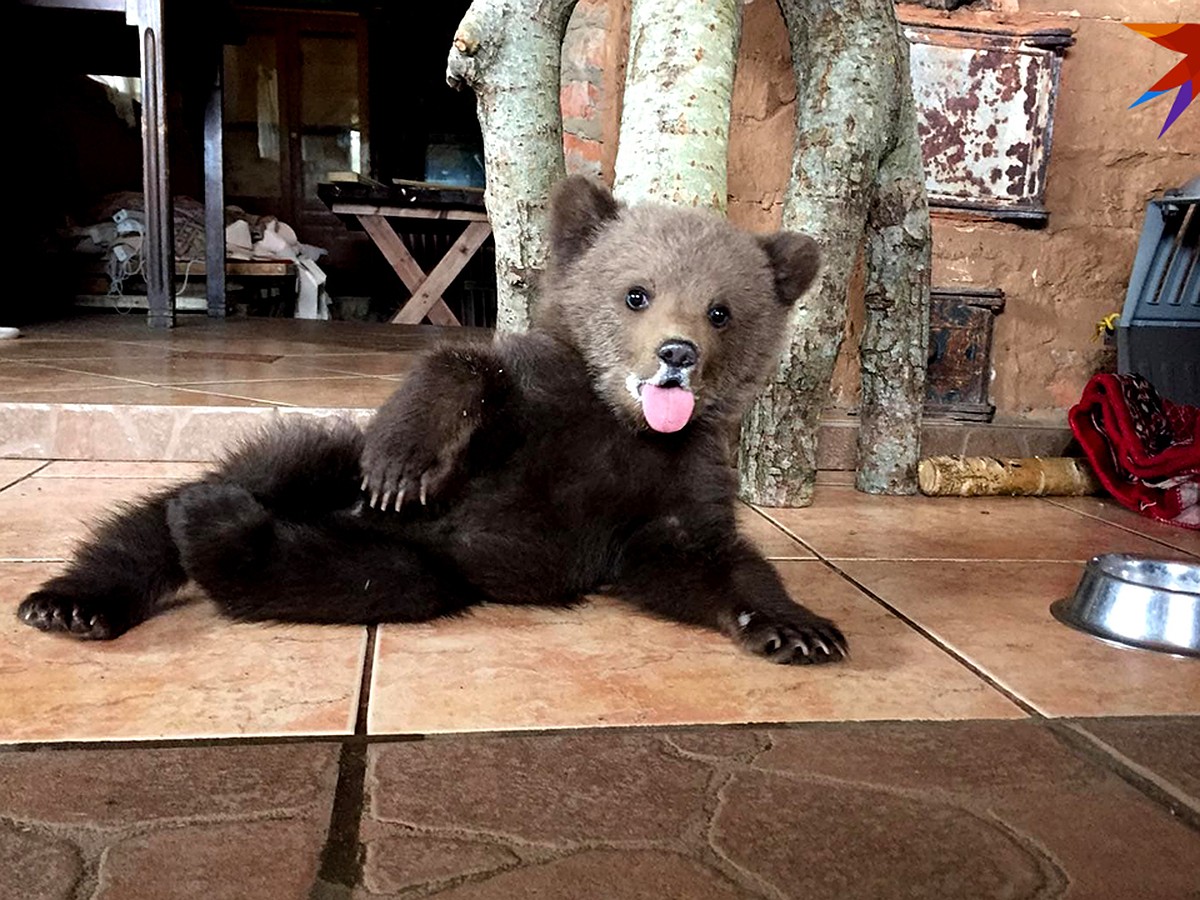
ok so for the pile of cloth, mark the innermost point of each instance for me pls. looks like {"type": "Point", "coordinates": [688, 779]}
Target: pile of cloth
{"type": "Point", "coordinates": [1144, 449]}
{"type": "Point", "coordinates": [119, 229]}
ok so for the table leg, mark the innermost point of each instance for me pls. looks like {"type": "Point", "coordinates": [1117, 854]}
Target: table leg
{"type": "Point", "coordinates": [443, 274]}
{"type": "Point", "coordinates": [402, 262]}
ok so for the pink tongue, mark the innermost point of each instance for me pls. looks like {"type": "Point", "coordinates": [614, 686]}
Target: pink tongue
{"type": "Point", "coordinates": [667, 409]}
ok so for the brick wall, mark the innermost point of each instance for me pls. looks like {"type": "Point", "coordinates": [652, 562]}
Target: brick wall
{"type": "Point", "coordinates": [583, 64]}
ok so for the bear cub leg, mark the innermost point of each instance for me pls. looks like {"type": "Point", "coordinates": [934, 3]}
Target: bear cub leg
{"type": "Point", "coordinates": [733, 589]}
{"type": "Point", "coordinates": [220, 530]}
{"type": "Point", "coordinates": [115, 580]}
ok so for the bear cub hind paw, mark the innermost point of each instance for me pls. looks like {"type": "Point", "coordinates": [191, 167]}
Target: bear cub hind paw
{"type": "Point", "coordinates": [800, 639]}
{"type": "Point", "coordinates": [79, 616]}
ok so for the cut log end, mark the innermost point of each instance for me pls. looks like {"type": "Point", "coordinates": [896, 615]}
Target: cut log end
{"type": "Point", "coordinates": [985, 476]}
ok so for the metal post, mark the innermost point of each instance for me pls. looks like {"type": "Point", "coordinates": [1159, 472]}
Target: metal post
{"type": "Point", "coordinates": [158, 245]}
{"type": "Point", "coordinates": [214, 188]}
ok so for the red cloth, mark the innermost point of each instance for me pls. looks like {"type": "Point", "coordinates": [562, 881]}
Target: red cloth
{"type": "Point", "coordinates": [1144, 449]}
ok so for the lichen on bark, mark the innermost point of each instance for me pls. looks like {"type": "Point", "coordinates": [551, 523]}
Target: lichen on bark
{"type": "Point", "coordinates": [856, 177]}
{"type": "Point", "coordinates": [509, 52]}
{"type": "Point", "coordinates": [674, 141]}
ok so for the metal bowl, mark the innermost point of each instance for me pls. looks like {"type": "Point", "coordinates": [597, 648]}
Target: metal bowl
{"type": "Point", "coordinates": [1137, 601]}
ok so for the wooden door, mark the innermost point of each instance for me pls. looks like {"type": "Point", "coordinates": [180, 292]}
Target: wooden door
{"type": "Point", "coordinates": [296, 110]}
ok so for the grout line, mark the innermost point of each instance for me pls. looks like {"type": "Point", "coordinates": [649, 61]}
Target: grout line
{"type": "Point", "coordinates": [979, 673]}
{"type": "Point", "coordinates": [957, 559]}
{"type": "Point", "coordinates": [1146, 781]}
{"type": "Point", "coordinates": [912, 623]}
{"type": "Point", "coordinates": [26, 476]}
{"type": "Point", "coordinates": [394, 737]}
{"type": "Point", "coordinates": [341, 861]}
{"type": "Point", "coordinates": [795, 537]}
{"type": "Point", "coordinates": [364, 685]}
{"type": "Point", "coordinates": [1134, 531]}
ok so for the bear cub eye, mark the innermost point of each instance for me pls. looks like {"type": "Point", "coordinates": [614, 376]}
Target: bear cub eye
{"type": "Point", "coordinates": [637, 298]}
{"type": "Point", "coordinates": [718, 316]}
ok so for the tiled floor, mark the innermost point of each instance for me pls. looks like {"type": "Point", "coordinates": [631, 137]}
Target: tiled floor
{"type": "Point", "coordinates": [237, 363]}
{"type": "Point", "coordinates": [107, 387]}
{"type": "Point", "coordinates": [945, 602]}
{"type": "Point", "coordinates": [971, 747]}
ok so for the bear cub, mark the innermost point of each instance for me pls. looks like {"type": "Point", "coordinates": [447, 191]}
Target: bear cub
{"type": "Point", "coordinates": [591, 453]}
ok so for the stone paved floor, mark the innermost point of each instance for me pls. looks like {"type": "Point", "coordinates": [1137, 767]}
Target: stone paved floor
{"type": "Point", "coordinates": [978, 809]}
{"type": "Point", "coordinates": [971, 748]}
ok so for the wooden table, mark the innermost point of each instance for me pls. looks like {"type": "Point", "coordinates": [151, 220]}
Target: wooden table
{"type": "Point", "coordinates": [371, 205]}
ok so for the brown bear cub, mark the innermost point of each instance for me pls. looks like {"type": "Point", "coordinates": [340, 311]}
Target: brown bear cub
{"type": "Point", "coordinates": [588, 454]}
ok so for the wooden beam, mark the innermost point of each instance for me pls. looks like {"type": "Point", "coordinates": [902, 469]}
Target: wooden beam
{"type": "Point", "coordinates": [214, 187]}
{"type": "Point", "coordinates": [443, 274]}
{"type": "Point", "coordinates": [94, 5]}
{"type": "Point", "coordinates": [159, 242]}
{"type": "Point", "coordinates": [407, 212]}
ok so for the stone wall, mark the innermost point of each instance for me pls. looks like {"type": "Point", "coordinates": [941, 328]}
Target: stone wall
{"type": "Point", "coordinates": [1106, 162]}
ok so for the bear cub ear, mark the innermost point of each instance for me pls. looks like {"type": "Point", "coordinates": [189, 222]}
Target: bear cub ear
{"type": "Point", "coordinates": [579, 209]}
{"type": "Point", "coordinates": [795, 259]}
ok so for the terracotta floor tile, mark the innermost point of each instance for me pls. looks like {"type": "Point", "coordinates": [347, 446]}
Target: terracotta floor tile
{"type": "Point", "coordinates": [846, 524]}
{"type": "Point", "coordinates": [997, 616]}
{"type": "Point", "coordinates": [185, 674]}
{"type": "Point", "coordinates": [769, 538]}
{"type": "Point", "coordinates": [386, 364]}
{"type": "Point", "coordinates": [131, 394]}
{"type": "Point", "coordinates": [42, 518]}
{"type": "Point", "coordinates": [605, 664]}
{"type": "Point", "coordinates": [114, 431]}
{"type": "Point", "coordinates": [1110, 511]}
{"type": "Point", "coordinates": [14, 469]}
{"type": "Point", "coordinates": [327, 391]}
{"type": "Point", "coordinates": [41, 349]}
{"type": "Point", "coordinates": [20, 378]}
{"type": "Point", "coordinates": [74, 468]}
{"type": "Point", "coordinates": [176, 368]}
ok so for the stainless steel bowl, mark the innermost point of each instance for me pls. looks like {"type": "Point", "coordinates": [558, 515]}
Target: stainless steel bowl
{"type": "Point", "coordinates": [1134, 600]}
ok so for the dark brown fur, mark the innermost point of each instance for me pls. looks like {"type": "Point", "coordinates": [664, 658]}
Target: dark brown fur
{"type": "Point", "coordinates": [519, 472]}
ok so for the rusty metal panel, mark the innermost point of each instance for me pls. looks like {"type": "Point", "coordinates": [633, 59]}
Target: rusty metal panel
{"type": "Point", "coordinates": [985, 108]}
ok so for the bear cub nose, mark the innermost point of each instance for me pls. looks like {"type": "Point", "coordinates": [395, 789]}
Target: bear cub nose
{"type": "Point", "coordinates": [678, 354]}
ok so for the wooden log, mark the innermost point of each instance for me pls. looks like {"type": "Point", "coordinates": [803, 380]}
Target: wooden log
{"type": "Point", "coordinates": [855, 179]}
{"type": "Point", "coordinates": [674, 141]}
{"type": "Point", "coordinates": [986, 476]}
{"type": "Point", "coordinates": [510, 52]}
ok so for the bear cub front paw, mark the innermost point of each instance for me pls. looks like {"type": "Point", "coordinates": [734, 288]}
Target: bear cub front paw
{"type": "Point", "coordinates": [792, 637]}
{"type": "Point", "coordinates": [394, 475]}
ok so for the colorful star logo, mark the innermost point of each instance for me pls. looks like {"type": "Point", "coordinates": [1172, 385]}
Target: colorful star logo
{"type": "Point", "coordinates": [1185, 76]}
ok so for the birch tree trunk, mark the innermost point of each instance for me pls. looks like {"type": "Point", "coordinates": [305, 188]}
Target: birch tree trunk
{"type": "Point", "coordinates": [856, 172]}
{"type": "Point", "coordinates": [674, 139]}
{"type": "Point", "coordinates": [509, 52]}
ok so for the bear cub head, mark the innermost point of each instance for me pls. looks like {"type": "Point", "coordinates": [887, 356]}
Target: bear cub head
{"type": "Point", "coordinates": [679, 316]}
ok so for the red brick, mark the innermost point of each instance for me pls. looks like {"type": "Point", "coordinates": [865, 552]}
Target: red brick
{"type": "Point", "coordinates": [579, 100]}
{"type": "Point", "coordinates": [582, 155]}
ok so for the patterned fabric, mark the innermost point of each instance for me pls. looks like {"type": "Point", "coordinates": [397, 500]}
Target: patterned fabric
{"type": "Point", "coordinates": [1144, 449]}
